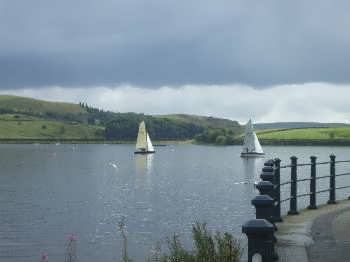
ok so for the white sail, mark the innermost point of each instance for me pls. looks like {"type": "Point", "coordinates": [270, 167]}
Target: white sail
{"type": "Point", "coordinates": [251, 143]}
{"type": "Point", "coordinates": [149, 144]}
{"type": "Point", "coordinates": [258, 148]}
{"type": "Point", "coordinates": [141, 143]}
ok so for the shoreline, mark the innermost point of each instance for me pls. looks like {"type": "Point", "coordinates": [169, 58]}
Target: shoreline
{"type": "Point", "coordinates": [86, 141]}
{"type": "Point", "coordinates": [264, 142]}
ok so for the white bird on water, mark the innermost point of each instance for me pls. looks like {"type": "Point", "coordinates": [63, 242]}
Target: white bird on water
{"type": "Point", "coordinates": [113, 165]}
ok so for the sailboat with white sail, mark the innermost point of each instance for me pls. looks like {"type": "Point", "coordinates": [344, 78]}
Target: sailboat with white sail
{"type": "Point", "coordinates": [143, 143]}
{"type": "Point", "coordinates": [251, 144]}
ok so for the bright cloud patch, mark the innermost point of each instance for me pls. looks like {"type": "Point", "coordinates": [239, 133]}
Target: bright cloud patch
{"type": "Point", "coordinates": [305, 102]}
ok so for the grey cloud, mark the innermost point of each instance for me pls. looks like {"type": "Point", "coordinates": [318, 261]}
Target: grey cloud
{"type": "Point", "coordinates": [163, 42]}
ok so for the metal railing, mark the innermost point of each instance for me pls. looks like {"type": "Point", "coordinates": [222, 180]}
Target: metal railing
{"type": "Point", "coordinates": [268, 203]}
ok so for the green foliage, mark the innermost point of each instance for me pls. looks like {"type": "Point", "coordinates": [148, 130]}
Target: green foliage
{"type": "Point", "coordinates": [47, 129]}
{"type": "Point", "coordinates": [40, 108]}
{"type": "Point", "coordinates": [62, 130]}
{"type": "Point", "coordinates": [220, 140]}
{"type": "Point", "coordinates": [334, 133]}
{"type": "Point", "coordinates": [206, 122]}
{"type": "Point", "coordinates": [207, 248]}
{"type": "Point", "coordinates": [125, 127]}
{"type": "Point", "coordinates": [216, 136]}
{"type": "Point", "coordinates": [118, 126]}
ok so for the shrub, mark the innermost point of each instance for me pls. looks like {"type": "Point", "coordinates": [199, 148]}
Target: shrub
{"type": "Point", "coordinates": [207, 247]}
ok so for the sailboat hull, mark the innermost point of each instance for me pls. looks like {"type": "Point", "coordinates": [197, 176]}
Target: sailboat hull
{"type": "Point", "coordinates": [144, 152]}
{"type": "Point", "coordinates": [252, 154]}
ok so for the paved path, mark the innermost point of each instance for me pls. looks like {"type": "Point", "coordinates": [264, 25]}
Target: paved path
{"type": "Point", "coordinates": [316, 235]}
{"type": "Point", "coordinates": [331, 235]}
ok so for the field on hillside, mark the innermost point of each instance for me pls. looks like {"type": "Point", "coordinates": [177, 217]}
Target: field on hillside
{"type": "Point", "coordinates": [338, 133]}
{"type": "Point", "coordinates": [24, 127]}
{"type": "Point", "coordinates": [29, 105]}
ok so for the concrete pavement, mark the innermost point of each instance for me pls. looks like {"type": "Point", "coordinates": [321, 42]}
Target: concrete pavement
{"type": "Point", "coordinates": [316, 235]}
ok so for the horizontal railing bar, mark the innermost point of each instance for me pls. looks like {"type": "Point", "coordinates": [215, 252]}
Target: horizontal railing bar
{"type": "Point", "coordinates": [320, 177]}
{"type": "Point", "coordinates": [303, 179]}
{"type": "Point", "coordinates": [321, 191]}
{"type": "Point", "coordinates": [323, 163]}
{"type": "Point", "coordinates": [342, 187]}
{"type": "Point", "coordinates": [318, 163]}
{"type": "Point", "coordinates": [304, 195]}
{"type": "Point", "coordinates": [343, 174]}
{"type": "Point", "coordinates": [285, 166]}
{"type": "Point", "coordinates": [284, 200]}
{"type": "Point", "coordinates": [304, 164]}
{"type": "Point", "coordinates": [342, 161]}
{"type": "Point", "coordinates": [285, 183]}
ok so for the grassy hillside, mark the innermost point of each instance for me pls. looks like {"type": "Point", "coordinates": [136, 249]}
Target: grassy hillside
{"type": "Point", "coordinates": [300, 136]}
{"type": "Point", "coordinates": [46, 129]}
{"type": "Point", "coordinates": [290, 125]}
{"type": "Point", "coordinates": [209, 122]}
{"type": "Point", "coordinates": [307, 133]}
{"type": "Point", "coordinates": [30, 105]}
{"type": "Point", "coordinates": [27, 118]}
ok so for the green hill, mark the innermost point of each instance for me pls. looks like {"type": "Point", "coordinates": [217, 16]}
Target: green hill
{"type": "Point", "coordinates": [37, 129]}
{"type": "Point", "coordinates": [204, 121]}
{"type": "Point", "coordinates": [300, 136]}
{"type": "Point", "coordinates": [289, 125]}
{"type": "Point", "coordinates": [35, 106]}
{"type": "Point", "coordinates": [24, 118]}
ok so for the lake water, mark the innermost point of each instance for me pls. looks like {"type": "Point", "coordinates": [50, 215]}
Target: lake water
{"type": "Point", "coordinates": [48, 192]}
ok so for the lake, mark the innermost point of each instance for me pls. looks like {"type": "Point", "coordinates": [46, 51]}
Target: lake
{"type": "Point", "coordinates": [48, 192]}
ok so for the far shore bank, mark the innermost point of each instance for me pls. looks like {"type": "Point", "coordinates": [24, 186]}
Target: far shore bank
{"type": "Point", "coordinates": [86, 141]}
{"type": "Point", "coordinates": [264, 142]}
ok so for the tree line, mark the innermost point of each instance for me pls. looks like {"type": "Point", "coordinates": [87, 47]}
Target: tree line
{"type": "Point", "coordinates": [125, 127]}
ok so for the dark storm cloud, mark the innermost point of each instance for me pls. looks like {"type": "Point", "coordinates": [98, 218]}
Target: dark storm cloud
{"type": "Point", "coordinates": [166, 42]}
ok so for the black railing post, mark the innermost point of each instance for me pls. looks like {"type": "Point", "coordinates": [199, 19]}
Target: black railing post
{"type": "Point", "coordinates": [267, 174]}
{"type": "Point", "coordinates": [332, 180]}
{"type": "Point", "coordinates": [269, 162]}
{"type": "Point", "coordinates": [263, 207]}
{"type": "Point", "coordinates": [293, 210]}
{"type": "Point", "coordinates": [260, 235]}
{"type": "Point", "coordinates": [265, 188]}
{"type": "Point", "coordinates": [313, 184]}
{"type": "Point", "coordinates": [277, 209]}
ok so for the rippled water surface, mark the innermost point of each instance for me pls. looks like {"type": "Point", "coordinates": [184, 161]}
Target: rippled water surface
{"type": "Point", "coordinates": [48, 192]}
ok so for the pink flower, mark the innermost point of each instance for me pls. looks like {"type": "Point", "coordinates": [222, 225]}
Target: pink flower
{"type": "Point", "coordinates": [44, 257]}
{"type": "Point", "coordinates": [72, 238]}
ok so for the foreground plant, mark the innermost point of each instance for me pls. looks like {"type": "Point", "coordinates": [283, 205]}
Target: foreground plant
{"type": "Point", "coordinates": [71, 255]}
{"type": "Point", "coordinates": [207, 247]}
{"type": "Point", "coordinates": [44, 257]}
{"type": "Point", "coordinates": [125, 256]}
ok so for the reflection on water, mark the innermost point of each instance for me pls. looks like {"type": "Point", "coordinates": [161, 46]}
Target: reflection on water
{"type": "Point", "coordinates": [144, 163]}
{"type": "Point", "coordinates": [252, 167]}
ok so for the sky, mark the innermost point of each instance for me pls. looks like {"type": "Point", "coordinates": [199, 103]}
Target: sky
{"type": "Point", "coordinates": [270, 60]}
